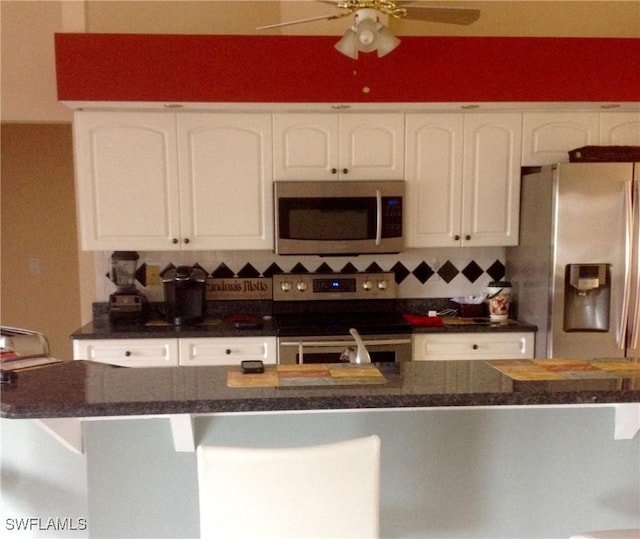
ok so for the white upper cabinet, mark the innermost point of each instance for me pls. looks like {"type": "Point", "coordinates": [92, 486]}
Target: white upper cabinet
{"type": "Point", "coordinates": [338, 146]}
{"type": "Point", "coordinates": [165, 181]}
{"type": "Point", "coordinates": [226, 181]}
{"type": "Point", "coordinates": [549, 136]}
{"type": "Point", "coordinates": [463, 179]}
{"type": "Point", "coordinates": [126, 180]}
{"type": "Point", "coordinates": [620, 128]}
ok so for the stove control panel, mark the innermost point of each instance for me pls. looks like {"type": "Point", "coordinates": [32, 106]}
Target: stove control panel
{"type": "Point", "coordinates": [332, 286]}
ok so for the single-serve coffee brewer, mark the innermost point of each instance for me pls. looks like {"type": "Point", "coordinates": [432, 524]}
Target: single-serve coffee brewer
{"type": "Point", "coordinates": [184, 294]}
{"type": "Point", "coordinates": [127, 305]}
{"type": "Point", "coordinates": [587, 297]}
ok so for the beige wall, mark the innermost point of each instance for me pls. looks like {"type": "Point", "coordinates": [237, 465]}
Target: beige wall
{"type": "Point", "coordinates": [39, 268]}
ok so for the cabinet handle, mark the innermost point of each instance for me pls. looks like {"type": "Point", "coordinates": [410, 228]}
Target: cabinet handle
{"type": "Point", "coordinates": [345, 171]}
{"type": "Point", "coordinates": [186, 240]}
{"type": "Point", "coordinates": [127, 353]}
{"type": "Point", "coordinates": [467, 237]}
{"type": "Point", "coordinates": [457, 237]}
{"type": "Point", "coordinates": [174, 240]}
{"type": "Point", "coordinates": [334, 171]}
{"type": "Point", "coordinates": [475, 346]}
{"type": "Point", "coordinates": [228, 351]}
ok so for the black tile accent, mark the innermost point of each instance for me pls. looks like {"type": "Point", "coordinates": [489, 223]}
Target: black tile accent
{"type": "Point", "coordinates": [401, 272]}
{"type": "Point", "coordinates": [423, 272]}
{"type": "Point", "coordinates": [223, 272]}
{"type": "Point", "coordinates": [448, 271]}
{"type": "Point", "coordinates": [166, 268]}
{"type": "Point", "coordinates": [472, 271]}
{"type": "Point", "coordinates": [349, 268]}
{"type": "Point", "coordinates": [248, 271]}
{"type": "Point", "coordinates": [272, 270]}
{"type": "Point", "coordinates": [496, 270]}
{"type": "Point", "coordinates": [374, 268]}
{"type": "Point", "coordinates": [299, 268]}
{"type": "Point", "coordinates": [324, 268]}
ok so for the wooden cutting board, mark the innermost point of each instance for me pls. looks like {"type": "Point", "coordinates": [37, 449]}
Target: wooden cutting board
{"type": "Point", "coordinates": [565, 369]}
{"type": "Point", "coordinates": [337, 374]}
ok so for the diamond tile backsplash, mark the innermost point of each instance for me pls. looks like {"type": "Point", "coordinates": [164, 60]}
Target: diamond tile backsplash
{"type": "Point", "coordinates": [420, 273]}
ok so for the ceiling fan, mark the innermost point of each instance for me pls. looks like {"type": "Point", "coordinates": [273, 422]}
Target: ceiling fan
{"type": "Point", "coordinates": [368, 34]}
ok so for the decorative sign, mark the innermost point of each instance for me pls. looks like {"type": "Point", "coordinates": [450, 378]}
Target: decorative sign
{"type": "Point", "coordinates": [239, 288]}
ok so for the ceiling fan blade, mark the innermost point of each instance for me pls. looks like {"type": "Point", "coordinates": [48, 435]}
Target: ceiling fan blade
{"type": "Point", "coordinates": [449, 15]}
{"type": "Point", "coordinates": [300, 21]}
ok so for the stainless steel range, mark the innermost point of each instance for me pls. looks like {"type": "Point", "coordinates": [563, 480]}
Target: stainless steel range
{"type": "Point", "coordinates": [315, 314]}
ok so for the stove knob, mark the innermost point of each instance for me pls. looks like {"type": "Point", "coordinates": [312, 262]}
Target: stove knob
{"type": "Point", "coordinates": [383, 284]}
{"type": "Point", "coordinates": [285, 286]}
{"type": "Point", "coordinates": [301, 286]}
{"type": "Point", "coordinates": [367, 285]}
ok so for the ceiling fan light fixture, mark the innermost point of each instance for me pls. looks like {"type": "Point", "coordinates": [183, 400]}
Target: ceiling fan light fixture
{"type": "Point", "coordinates": [387, 42]}
{"type": "Point", "coordinates": [348, 44]}
{"type": "Point", "coordinates": [367, 33]}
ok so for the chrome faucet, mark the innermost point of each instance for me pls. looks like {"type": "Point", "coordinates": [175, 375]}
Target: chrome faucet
{"type": "Point", "coordinates": [361, 355]}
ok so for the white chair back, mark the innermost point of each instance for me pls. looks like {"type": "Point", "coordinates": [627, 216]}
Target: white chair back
{"type": "Point", "coordinates": [322, 491]}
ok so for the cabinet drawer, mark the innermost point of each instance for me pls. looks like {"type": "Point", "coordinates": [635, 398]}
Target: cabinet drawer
{"type": "Point", "coordinates": [499, 345]}
{"type": "Point", "coordinates": [225, 351]}
{"type": "Point", "coordinates": [129, 352]}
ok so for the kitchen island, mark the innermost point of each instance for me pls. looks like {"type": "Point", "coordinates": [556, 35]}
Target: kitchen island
{"type": "Point", "coordinates": [468, 451]}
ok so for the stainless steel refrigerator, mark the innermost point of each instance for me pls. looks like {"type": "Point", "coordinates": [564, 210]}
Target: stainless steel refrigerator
{"type": "Point", "coordinates": [575, 273]}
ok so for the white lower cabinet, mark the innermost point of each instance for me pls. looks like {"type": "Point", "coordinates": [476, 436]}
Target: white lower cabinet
{"type": "Point", "coordinates": [225, 351]}
{"type": "Point", "coordinates": [128, 352]}
{"type": "Point", "coordinates": [174, 352]}
{"type": "Point", "coordinates": [486, 346]}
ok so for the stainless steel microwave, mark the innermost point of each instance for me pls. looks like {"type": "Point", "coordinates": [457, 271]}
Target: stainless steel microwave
{"type": "Point", "coordinates": [338, 217]}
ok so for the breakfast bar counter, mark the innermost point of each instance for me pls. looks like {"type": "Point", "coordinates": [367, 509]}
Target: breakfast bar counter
{"type": "Point", "coordinates": [87, 389]}
{"type": "Point", "coordinates": [503, 449]}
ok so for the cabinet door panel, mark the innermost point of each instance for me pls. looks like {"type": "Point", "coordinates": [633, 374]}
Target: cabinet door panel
{"type": "Point", "coordinates": [620, 128]}
{"type": "Point", "coordinates": [434, 179]}
{"type": "Point", "coordinates": [305, 146]}
{"type": "Point", "coordinates": [491, 195]}
{"type": "Point", "coordinates": [226, 180]}
{"type": "Point", "coordinates": [126, 180]}
{"type": "Point", "coordinates": [548, 137]}
{"type": "Point", "coordinates": [226, 351]}
{"type": "Point", "coordinates": [372, 146]}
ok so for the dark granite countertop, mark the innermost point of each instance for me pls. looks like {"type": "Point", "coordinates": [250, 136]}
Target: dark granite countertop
{"type": "Point", "coordinates": [86, 389]}
{"type": "Point", "coordinates": [219, 327]}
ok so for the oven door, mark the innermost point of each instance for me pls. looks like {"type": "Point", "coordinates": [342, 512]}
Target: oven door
{"type": "Point", "coordinates": [327, 349]}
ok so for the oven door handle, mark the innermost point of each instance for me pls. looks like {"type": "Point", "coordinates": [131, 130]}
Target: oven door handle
{"type": "Point", "coordinates": [378, 217]}
{"type": "Point", "coordinates": [326, 344]}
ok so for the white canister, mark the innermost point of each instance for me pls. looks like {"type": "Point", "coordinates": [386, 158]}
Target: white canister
{"type": "Point", "coordinates": [499, 300]}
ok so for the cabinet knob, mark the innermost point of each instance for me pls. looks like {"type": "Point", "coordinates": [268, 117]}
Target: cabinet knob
{"type": "Point", "coordinates": [228, 351]}
{"type": "Point", "coordinates": [345, 170]}
{"type": "Point", "coordinates": [457, 237]}
{"type": "Point", "coordinates": [475, 346]}
{"type": "Point", "coordinates": [127, 353]}
{"type": "Point", "coordinates": [174, 240]}
{"type": "Point", "coordinates": [186, 240]}
{"type": "Point", "coordinates": [334, 171]}
{"type": "Point", "coordinates": [467, 237]}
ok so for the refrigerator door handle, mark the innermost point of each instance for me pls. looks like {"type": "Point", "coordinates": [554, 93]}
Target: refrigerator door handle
{"type": "Point", "coordinates": [628, 253]}
{"type": "Point", "coordinates": [634, 340]}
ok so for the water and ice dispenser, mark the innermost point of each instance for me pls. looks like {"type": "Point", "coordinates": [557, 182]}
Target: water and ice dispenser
{"type": "Point", "coordinates": [587, 297]}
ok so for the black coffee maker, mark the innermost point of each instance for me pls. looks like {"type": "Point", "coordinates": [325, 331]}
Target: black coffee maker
{"type": "Point", "coordinates": [184, 294]}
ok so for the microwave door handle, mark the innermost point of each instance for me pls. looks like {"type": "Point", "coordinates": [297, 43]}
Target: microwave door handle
{"type": "Point", "coordinates": [378, 217]}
